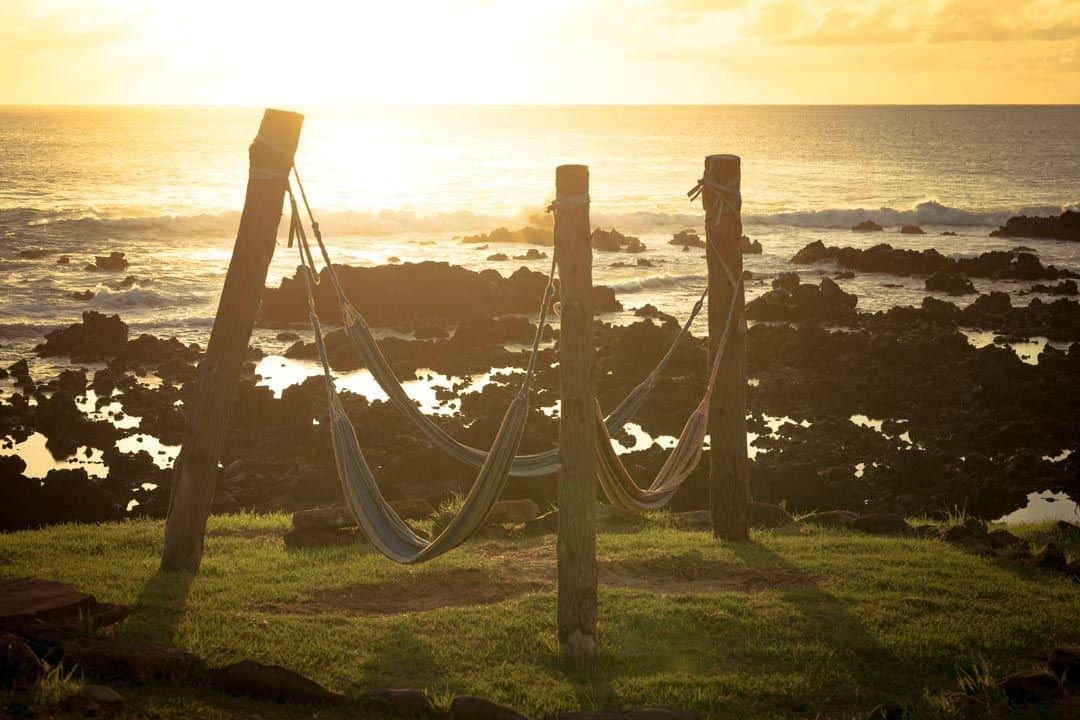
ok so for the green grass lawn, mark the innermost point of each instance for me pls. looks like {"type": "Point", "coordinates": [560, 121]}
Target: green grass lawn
{"type": "Point", "coordinates": [797, 623]}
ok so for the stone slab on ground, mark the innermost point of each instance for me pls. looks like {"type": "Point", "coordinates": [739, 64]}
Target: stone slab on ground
{"type": "Point", "coordinates": [132, 661]}
{"type": "Point", "coordinates": [25, 602]}
{"type": "Point", "coordinates": [271, 682]}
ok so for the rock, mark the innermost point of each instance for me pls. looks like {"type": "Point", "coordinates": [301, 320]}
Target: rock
{"type": "Point", "coordinates": [132, 661]}
{"type": "Point", "coordinates": [63, 260]}
{"type": "Point", "coordinates": [844, 275]}
{"type": "Point", "coordinates": [881, 524]}
{"type": "Point", "coordinates": [20, 668]}
{"type": "Point", "coordinates": [94, 701]}
{"type": "Point", "coordinates": [84, 295]}
{"type": "Point", "coordinates": [72, 382]}
{"type": "Point", "coordinates": [1030, 686]}
{"type": "Point", "coordinates": [912, 230]}
{"type": "Point", "coordinates": [270, 682]}
{"type": "Point", "coordinates": [1064, 227]}
{"type": "Point", "coordinates": [888, 710]}
{"type": "Point", "coordinates": [497, 257]}
{"type": "Point", "coordinates": [393, 259]}
{"type": "Point", "coordinates": [402, 703]}
{"type": "Point", "coordinates": [951, 284]}
{"type": "Point", "coordinates": [750, 247]}
{"type": "Point", "coordinates": [641, 713]}
{"type": "Point", "coordinates": [1065, 287]}
{"type": "Point", "coordinates": [468, 707]}
{"type": "Point", "coordinates": [330, 518]}
{"type": "Point", "coordinates": [1003, 539]}
{"type": "Point", "coordinates": [531, 254]}
{"type": "Point", "coordinates": [513, 511]}
{"type": "Point", "coordinates": [314, 538]}
{"type": "Point", "coordinates": [867, 226]}
{"type": "Point", "coordinates": [692, 520]}
{"type": "Point", "coordinates": [791, 301]}
{"type": "Point", "coordinates": [287, 336]}
{"type": "Point", "coordinates": [1052, 558]}
{"type": "Point", "coordinates": [614, 241]}
{"type": "Point", "coordinates": [767, 515]}
{"type": "Point", "coordinates": [26, 602]}
{"type": "Point", "coordinates": [830, 518]}
{"type": "Point", "coordinates": [1066, 529]}
{"type": "Point", "coordinates": [113, 262]}
{"type": "Point", "coordinates": [688, 239]}
{"type": "Point", "coordinates": [528, 235]}
{"type": "Point", "coordinates": [968, 707]}
{"type": "Point", "coordinates": [97, 336]}
{"type": "Point", "coordinates": [1065, 663]}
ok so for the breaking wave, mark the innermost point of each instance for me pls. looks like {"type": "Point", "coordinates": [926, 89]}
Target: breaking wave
{"type": "Point", "coordinates": [652, 282]}
{"type": "Point", "coordinates": [44, 228]}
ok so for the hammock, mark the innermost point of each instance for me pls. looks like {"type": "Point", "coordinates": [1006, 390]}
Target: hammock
{"type": "Point", "coordinates": [380, 523]}
{"type": "Point", "coordinates": [532, 465]}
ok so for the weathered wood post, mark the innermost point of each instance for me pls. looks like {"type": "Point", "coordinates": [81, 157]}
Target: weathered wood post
{"type": "Point", "coordinates": [196, 468]}
{"type": "Point", "coordinates": [577, 602]}
{"type": "Point", "coordinates": [729, 469]}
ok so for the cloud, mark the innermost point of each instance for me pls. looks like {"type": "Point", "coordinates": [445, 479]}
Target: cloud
{"type": "Point", "coordinates": [1018, 20]}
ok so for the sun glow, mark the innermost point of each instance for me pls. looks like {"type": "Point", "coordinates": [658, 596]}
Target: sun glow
{"type": "Point", "coordinates": [508, 51]}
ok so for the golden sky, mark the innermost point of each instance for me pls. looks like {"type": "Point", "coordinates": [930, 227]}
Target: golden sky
{"type": "Point", "coordinates": [539, 51]}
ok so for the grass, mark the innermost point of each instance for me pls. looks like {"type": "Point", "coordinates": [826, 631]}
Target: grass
{"type": "Point", "coordinates": [798, 623]}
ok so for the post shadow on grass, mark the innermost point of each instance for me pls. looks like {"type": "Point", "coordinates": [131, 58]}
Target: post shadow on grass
{"type": "Point", "coordinates": [397, 647]}
{"type": "Point", "coordinates": [158, 607]}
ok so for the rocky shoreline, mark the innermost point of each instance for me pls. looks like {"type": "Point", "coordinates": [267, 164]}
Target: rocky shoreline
{"type": "Point", "coordinates": [946, 424]}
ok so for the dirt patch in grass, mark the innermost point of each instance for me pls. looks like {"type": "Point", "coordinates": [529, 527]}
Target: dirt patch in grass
{"type": "Point", "coordinates": [515, 571]}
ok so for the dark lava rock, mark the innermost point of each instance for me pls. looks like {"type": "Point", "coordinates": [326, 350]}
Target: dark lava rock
{"type": "Point", "coordinates": [96, 337]}
{"type": "Point", "coordinates": [688, 239]}
{"type": "Point", "coordinates": [531, 254]}
{"type": "Point", "coordinates": [72, 382]}
{"type": "Point", "coordinates": [20, 668]}
{"type": "Point", "coordinates": [884, 258]}
{"type": "Point", "coordinates": [1001, 539]}
{"type": "Point", "coordinates": [881, 524]}
{"type": "Point", "coordinates": [948, 233]}
{"type": "Point", "coordinates": [497, 257]}
{"type": "Point", "coordinates": [750, 247]}
{"type": "Point", "coordinates": [528, 235]}
{"type": "Point", "coordinates": [113, 262]}
{"type": "Point", "coordinates": [792, 301]}
{"type": "Point", "coordinates": [270, 682]}
{"type": "Point", "coordinates": [468, 707]}
{"type": "Point", "coordinates": [1052, 558]}
{"type": "Point", "coordinates": [94, 701]}
{"type": "Point", "coordinates": [867, 226]}
{"type": "Point", "coordinates": [84, 295]}
{"type": "Point", "coordinates": [614, 241]}
{"type": "Point", "coordinates": [887, 710]}
{"type": "Point", "coordinates": [132, 661]}
{"type": "Point", "coordinates": [1031, 686]}
{"type": "Point", "coordinates": [767, 515]}
{"type": "Point", "coordinates": [912, 230]}
{"type": "Point", "coordinates": [404, 295]}
{"type": "Point", "coordinates": [951, 284]}
{"type": "Point", "coordinates": [1065, 663]}
{"type": "Point", "coordinates": [405, 702]}
{"type": "Point", "coordinates": [1064, 227]}
{"type": "Point", "coordinates": [830, 518]}
{"type": "Point", "coordinates": [1065, 287]}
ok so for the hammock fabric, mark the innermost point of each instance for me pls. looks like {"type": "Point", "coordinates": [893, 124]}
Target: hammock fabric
{"type": "Point", "coordinates": [382, 526]}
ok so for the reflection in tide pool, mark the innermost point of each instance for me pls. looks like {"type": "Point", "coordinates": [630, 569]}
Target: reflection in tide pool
{"type": "Point", "coordinates": [40, 461]}
{"type": "Point", "coordinates": [278, 373]}
{"type": "Point", "coordinates": [1027, 350]}
{"type": "Point", "coordinates": [163, 454]}
{"type": "Point", "coordinates": [1045, 506]}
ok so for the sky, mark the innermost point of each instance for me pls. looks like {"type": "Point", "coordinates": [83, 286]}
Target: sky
{"type": "Point", "coordinates": [539, 51]}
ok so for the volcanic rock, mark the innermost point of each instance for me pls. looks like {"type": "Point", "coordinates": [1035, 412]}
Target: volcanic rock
{"type": "Point", "coordinates": [1064, 227]}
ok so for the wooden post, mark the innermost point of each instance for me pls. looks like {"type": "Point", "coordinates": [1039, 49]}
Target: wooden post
{"type": "Point", "coordinates": [196, 468]}
{"type": "Point", "coordinates": [577, 602]}
{"type": "Point", "coordinates": [729, 469]}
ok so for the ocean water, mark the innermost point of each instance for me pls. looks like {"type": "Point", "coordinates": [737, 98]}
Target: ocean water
{"type": "Point", "coordinates": [165, 186]}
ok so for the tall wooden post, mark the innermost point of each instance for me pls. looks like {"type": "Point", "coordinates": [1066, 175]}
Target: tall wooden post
{"type": "Point", "coordinates": [195, 470]}
{"type": "Point", "coordinates": [577, 602]}
{"type": "Point", "coordinates": [729, 469]}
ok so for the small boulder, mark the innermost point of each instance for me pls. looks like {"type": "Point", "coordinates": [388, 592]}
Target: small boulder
{"type": "Point", "coordinates": [132, 661]}
{"type": "Point", "coordinates": [881, 524]}
{"type": "Point", "coordinates": [513, 511]}
{"type": "Point", "coordinates": [767, 515]}
{"type": "Point", "coordinates": [1052, 558]}
{"type": "Point", "coordinates": [950, 284]}
{"type": "Point", "coordinates": [866, 226]}
{"type": "Point", "coordinates": [469, 707]}
{"type": "Point", "coordinates": [1065, 663]}
{"type": "Point", "coordinates": [402, 702]}
{"type": "Point", "coordinates": [912, 230]}
{"type": "Point", "coordinates": [497, 257]}
{"type": "Point", "coordinates": [113, 262]}
{"type": "Point", "coordinates": [1030, 686]}
{"type": "Point", "coordinates": [1003, 539]}
{"type": "Point", "coordinates": [94, 701]}
{"type": "Point", "coordinates": [271, 682]}
{"type": "Point", "coordinates": [692, 520]}
{"type": "Point", "coordinates": [830, 518]}
{"type": "Point", "coordinates": [20, 668]}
